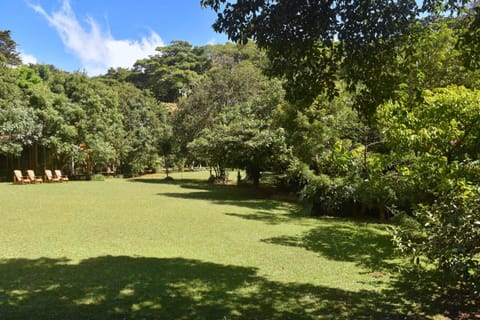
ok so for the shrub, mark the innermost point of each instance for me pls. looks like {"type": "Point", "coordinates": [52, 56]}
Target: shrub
{"type": "Point", "coordinates": [448, 234]}
{"type": "Point", "coordinates": [98, 177]}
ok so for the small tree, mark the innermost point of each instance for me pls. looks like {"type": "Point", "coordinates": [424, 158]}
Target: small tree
{"type": "Point", "coordinates": [242, 140]}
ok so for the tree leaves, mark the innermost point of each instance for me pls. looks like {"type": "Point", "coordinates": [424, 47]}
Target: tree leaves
{"type": "Point", "coordinates": [312, 44]}
{"type": "Point", "coordinates": [8, 46]}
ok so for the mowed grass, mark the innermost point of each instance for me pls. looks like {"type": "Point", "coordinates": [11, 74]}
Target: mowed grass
{"type": "Point", "coordinates": [148, 249]}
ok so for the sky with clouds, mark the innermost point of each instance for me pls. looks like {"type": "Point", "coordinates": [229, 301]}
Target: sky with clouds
{"type": "Point", "coordinates": [93, 35]}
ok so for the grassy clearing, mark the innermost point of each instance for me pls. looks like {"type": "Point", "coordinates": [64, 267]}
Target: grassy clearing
{"type": "Point", "coordinates": [136, 249]}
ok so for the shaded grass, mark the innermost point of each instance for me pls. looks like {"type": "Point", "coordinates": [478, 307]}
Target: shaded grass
{"type": "Point", "coordinates": [171, 288]}
{"type": "Point", "coordinates": [150, 249]}
{"type": "Point", "coordinates": [358, 243]}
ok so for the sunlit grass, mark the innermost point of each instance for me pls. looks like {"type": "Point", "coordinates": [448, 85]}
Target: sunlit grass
{"type": "Point", "coordinates": [145, 247]}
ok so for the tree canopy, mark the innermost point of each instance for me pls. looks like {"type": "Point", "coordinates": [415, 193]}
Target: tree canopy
{"type": "Point", "coordinates": [313, 44]}
{"type": "Point", "coordinates": [172, 72]}
{"type": "Point", "coordinates": [74, 117]}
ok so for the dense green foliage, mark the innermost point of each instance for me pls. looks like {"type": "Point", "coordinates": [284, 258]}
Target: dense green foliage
{"type": "Point", "coordinates": [172, 72]}
{"type": "Point", "coordinates": [232, 112]}
{"type": "Point", "coordinates": [314, 44]}
{"type": "Point", "coordinates": [411, 73]}
{"type": "Point", "coordinates": [359, 108]}
{"type": "Point", "coordinates": [437, 143]}
{"type": "Point", "coordinates": [470, 39]}
{"type": "Point", "coordinates": [78, 119]}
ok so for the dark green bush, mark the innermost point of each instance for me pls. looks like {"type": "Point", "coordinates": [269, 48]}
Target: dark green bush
{"type": "Point", "coordinates": [447, 233]}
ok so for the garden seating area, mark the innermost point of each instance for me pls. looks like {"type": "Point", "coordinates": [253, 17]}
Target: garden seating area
{"type": "Point", "coordinates": [32, 178]}
{"type": "Point", "coordinates": [18, 178]}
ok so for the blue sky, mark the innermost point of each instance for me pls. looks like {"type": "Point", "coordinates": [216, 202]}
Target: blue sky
{"type": "Point", "coordinates": [94, 35]}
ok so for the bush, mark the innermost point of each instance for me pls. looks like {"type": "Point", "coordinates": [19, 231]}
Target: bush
{"type": "Point", "coordinates": [329, 196]}
{"type": "Point", "coordinates": [98, 177]}
{"type": "Point", "coordinates": [448, 234]}
{"type": "Point", "coordinates": [325, 194]}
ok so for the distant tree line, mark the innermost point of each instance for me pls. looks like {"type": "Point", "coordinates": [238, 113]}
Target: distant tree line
{"type": "Point", "coordinates": [113, 124]}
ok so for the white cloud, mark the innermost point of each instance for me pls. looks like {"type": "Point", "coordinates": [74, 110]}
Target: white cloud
{"type": "Point", "coordinates": [212, 41]}
{"type": "Point", "coordinates": [27, 58]}
{"type": "Point", "coordinates": [97, 50]}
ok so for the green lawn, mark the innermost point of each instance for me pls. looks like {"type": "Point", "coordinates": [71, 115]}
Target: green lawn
{"type": "Point", "coordinates": [146, 249]}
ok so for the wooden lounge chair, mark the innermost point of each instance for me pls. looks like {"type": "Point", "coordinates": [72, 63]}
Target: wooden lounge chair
{"type": "Point", "coordinates": [33, 178]}
{"type": "Point", "coordinates": [18, 178]}
{"type": "Point", "coordinates": [50, 178]}
{"type": "Point", "coordinates": [59, 175]}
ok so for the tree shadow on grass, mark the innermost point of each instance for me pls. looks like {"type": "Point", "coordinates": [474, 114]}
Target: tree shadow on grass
{"type": "Point", "coordinates": [429, 290]}
{"type": "Point", "coordinates": [366, 246]}
{"type": "Point", "coordinates": [152, 288]}
{"type": "Point", "coordinates": [423, 291]}
{"type": "Point", "coordinates": [181, 182]}
{"type": "Point", "coordinates": [269, 217]}
{"type": "Point", "coordinates": [272, 209]}
{"type": "Point", "coordinates": [229, 196]}
{"type": "Point", "coordinates": [268, 210]}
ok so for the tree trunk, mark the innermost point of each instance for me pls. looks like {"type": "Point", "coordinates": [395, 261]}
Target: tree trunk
{"type": "Point", "coordinates": [381, 210]}
{"type": "Point", "coordinates": [255, 176]}
{"type": "Point", "coordinates": [166, 167]}
{"type": "Point", "coordinates": [223, 175]}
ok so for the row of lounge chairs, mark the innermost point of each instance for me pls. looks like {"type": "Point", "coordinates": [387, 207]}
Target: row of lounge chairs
{"type": "Point", "coordinates": [18, 178]}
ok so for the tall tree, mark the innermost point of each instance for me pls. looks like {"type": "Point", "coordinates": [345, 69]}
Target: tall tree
{"type": "Point", "coordinates": [223, 87]}
{"type": "Point", "coordinates": [229, 114]}
{"type": "Point", "coordinates": [172, 72]}
{"type": "Point", "coordinates": [143, 120]}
